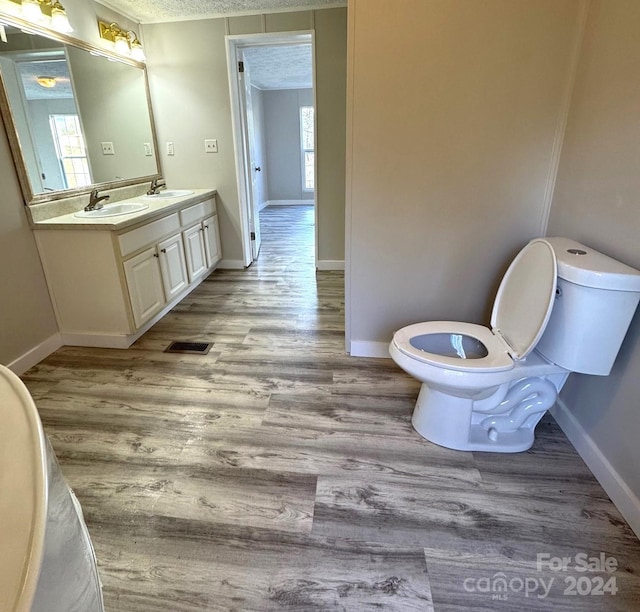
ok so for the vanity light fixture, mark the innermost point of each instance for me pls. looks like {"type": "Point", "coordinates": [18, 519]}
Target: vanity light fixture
{"type": "Point", "coordinates": [49, 13]}
{"type": "Point", "coordinates": [46, 81]}
{"type": "Point", "coordinates": [125, 42]}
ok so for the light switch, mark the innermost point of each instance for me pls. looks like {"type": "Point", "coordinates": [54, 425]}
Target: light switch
{"type": "Point", "coordinates": [107, 148]}
{"type": "Point", "coordinates": [211, 145]}
{"type": "Point", "coordinates": [148, 151]}
{"type": "Point", "coordinates": [170, 149]}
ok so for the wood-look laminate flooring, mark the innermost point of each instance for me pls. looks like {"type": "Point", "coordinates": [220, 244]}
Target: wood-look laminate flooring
{"type": "Point", "coordinates": [278, 473]}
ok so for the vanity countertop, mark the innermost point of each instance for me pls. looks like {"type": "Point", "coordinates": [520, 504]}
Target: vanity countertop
{"type": "Point", "coordinates": [157, 207]}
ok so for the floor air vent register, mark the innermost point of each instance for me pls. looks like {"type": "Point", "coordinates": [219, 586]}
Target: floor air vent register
{"type": "Point", "coordinates": [196, 348]}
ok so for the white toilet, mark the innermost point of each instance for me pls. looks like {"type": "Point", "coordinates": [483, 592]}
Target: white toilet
{"type": "Point", "coordinates": [561, 307]}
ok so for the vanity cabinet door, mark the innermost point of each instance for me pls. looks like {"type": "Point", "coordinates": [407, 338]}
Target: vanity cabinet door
{"type": "Point", "coordinates": [212, 240]}
{"type": "Point", "coordinates": [194, 248]}
{"type": "Point", "coordinates": [145, 285]}
{"type": "Point", "coordinates": [172, 266]}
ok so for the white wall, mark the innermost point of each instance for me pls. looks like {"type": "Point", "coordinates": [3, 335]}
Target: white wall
{"type": "Point", "coordinates": [454, 111]}
{"type": "Point", "coordinates": [282, 136]}
{"type": "Point", "coordinates": [190, 96]}
{"type": "Point", "coordinates": [331, 120]}
{"type": "Point", "coordinates": [596, 202]}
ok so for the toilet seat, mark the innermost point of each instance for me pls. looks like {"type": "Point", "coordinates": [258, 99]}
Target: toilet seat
{"type": "Point", "coordinates": [497, 357]}
{"type": "Point", "coordinates": [519, 317]}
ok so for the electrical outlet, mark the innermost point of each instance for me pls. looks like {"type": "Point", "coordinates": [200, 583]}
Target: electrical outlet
{"type": "Point", "coordinates": [107, 148]}
{"type": "Point", "coordinates": [211, 145]}
{"type": "Point", "coordinates": [148, 151]}
{"type": "Point", "coordinates": [170, 149]}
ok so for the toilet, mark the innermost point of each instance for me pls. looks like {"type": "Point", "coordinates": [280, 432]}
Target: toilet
{"type": "Point", "coordinates": [561, 307]}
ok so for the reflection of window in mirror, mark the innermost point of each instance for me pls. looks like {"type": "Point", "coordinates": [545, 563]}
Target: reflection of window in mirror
{"type": "Point", "coordinates": [71, 149]}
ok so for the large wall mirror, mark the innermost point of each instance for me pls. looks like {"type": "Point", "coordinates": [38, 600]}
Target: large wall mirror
{"type": "Point", "coordinates": [76, 120]}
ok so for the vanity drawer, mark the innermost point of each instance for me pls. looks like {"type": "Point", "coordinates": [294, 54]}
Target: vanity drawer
{"type": "Point", "coordinates": [194, 213]}
{"type": "Point", "coordinates": [147, 234]}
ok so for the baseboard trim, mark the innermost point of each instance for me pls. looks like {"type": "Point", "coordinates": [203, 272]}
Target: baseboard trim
{"type": "Point", "coordinates": [230, 264]}
{"type": "Point", "coordinates": [363, 348]}
{"type": "Point", "coordinates": [89, 339]}
{"type": "Point", "coordinates": [36, 354]}
{"type": "Point", "coordinates": [330, 264]}
{"type": "Point", "coordinates": [289, 202]}
{"type": "Point", "coordinates": [616, 488]}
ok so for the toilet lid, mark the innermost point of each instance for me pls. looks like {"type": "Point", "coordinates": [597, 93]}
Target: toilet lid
{"type": "Point", "coordinates": [525, 298]}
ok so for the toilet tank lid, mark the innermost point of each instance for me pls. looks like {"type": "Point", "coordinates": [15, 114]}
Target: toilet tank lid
{"type": "Point", "coordinates": [582, 265]}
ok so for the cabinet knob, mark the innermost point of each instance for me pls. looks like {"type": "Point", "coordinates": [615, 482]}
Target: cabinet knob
{"type": "Point", "coordinates": [163, 250]}
{"type": "Point", "coordinates": [156, 255]}
{"type": "Point", "coordinates": [206, 226]}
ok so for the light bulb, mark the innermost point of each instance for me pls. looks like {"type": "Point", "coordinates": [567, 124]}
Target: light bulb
{"type": "Point", "coordinates": [59, 19]}
{"type": "Point", "coordinates": [31, 10]}
{"type": "Point", "coordinates": [137, 53]}
{"type": "Point", "coordinates": [122, 45]}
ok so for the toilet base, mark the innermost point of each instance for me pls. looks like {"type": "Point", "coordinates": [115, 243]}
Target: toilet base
{"type": "Point", "coordinates": [451, 422]}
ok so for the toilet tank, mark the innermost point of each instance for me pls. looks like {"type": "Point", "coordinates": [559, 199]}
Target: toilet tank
{"type": "Point", "coordinates": [596, 297]}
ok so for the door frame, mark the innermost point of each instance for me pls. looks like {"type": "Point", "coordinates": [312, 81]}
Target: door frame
{"type": "Point", "coordinates": [234, 44]}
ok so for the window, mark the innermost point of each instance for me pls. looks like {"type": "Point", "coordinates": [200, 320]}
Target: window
{"type": "Point", "coordinates": [308, 153]}
{"type": "Point", "coordinates": [71, 149]}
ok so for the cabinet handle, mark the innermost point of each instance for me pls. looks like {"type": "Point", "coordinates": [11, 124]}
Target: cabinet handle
{"type": "Point", "coordinates": [163, 250]}
{"type": "Point", "coordinates": [206, 227]}
{"type": "Point", "coordinates": [202, 229]}
{"type": "Point", "coordinates": [156, 255]}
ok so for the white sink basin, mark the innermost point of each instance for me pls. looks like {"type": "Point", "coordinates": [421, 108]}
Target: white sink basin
{"type": "Point", "coordinates": [171, 193]}
{"type": "Point", "coordinates": [112, 210]}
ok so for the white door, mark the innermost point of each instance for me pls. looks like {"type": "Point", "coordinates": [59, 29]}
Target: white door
{"type": "Point", "coordinates": [172, 266]}
{"type": "Point", "coordinates": [212, 240]}
{"type": "Point", "coordinates": [145, 285]}
{"type": "Point", "coordinates": [251, 167]}
{"type": "Point", "coordinates": [194, 248]}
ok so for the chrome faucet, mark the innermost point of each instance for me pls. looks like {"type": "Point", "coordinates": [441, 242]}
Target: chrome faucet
{"type": "Point", "coordinates": [155, 186]}
{"type": "Point", "coordinates": [95, 202]}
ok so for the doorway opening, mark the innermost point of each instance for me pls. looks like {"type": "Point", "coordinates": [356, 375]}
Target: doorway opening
{"type": "Point", "coordinates": [272, 86]}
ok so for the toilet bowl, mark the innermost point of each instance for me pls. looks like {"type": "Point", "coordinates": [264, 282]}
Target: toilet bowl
{"type": "Point", "coordinates": [560, 308]}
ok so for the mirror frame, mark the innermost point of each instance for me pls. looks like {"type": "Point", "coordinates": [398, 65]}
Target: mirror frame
{"type": "Point", "coordinates": [10, 126]}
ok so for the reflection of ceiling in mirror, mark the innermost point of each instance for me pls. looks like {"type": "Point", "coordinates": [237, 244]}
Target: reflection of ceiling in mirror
{"type": "Point", "coordinates": [157, 11]}
{"type": "Point", "coordinates": [280, 66]}
{"type": "Point", "coordinates": [57, 69]}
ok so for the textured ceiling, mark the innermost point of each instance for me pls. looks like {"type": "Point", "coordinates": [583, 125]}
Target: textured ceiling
{"type": "Point", "coordinates": [156, 11]}
{"type": "Point", "coordinates": [31, 70]}
{"type": "Point", "coordinates": [279, 67]}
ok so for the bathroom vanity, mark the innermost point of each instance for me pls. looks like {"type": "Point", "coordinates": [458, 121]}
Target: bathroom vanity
{"type": "Point", "coordinates": [112, 278]}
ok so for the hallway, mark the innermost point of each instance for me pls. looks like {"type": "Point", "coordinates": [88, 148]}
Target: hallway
{"type": "Point", "coordinates": [278, 473]}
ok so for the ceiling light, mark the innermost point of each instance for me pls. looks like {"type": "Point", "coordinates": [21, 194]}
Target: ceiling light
{"type": "Point", "coordinates": [46, 81]}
